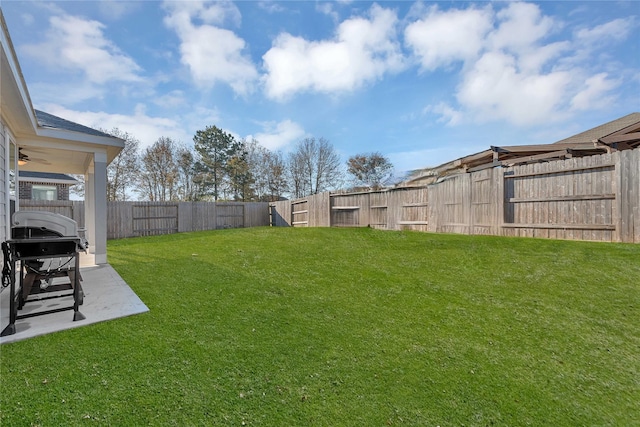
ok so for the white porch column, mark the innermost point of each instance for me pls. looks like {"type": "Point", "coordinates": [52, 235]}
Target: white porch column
{"type": "Point", "coordinates": [89, 208]}
{"type": "Point", "coordinates": [95, 193]}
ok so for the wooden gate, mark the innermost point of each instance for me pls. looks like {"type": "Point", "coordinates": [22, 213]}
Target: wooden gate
{"type": "Point", "coordinates": [229, 215]}
{"type": "Point", "coordinates": [154, 219]}
{"type": "Point", "coordinates": [300, 213]}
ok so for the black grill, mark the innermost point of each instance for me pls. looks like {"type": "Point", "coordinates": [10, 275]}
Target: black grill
{"type": "Point", "coordinates": [44, 247]}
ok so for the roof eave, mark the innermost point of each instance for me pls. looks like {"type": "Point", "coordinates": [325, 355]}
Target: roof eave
{"type": "Point", "coordinates": [25, 121]}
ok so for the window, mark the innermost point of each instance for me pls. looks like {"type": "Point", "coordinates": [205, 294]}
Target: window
{"type": "Point", "coordinates": [44, 192]}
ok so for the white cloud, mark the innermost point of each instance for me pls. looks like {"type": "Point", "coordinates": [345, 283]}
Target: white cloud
{"type": "Point", "coordinates": [67, 93]}
{"type": "Point", "coordinates": [591, 47]}
{"type": "Point", "coordinates": [594, 93]}
{"type": "Point", "coordinates": [447, 113]}
{"type": "Point", "coordinates": [511, 71]}
{"type": "Point", "coordinates": [173, 99]}
{"type": "Point", "coordinates": [327, 9]}
{"type": "Point", "coordinates": [441, 38]}
{"type": "Point", "coordinates": [27, 19]}
{"type": "Point", "coordinates": [279, 135]}
{"type": "Point", "coordinates": [362, 51]}
{"type": "Point", "coordinates": [116, 9]}
{"type": "Point", "coordinates": [521, 27]}
{"type": "Point", "coordinates": [494, 89]}
{"type": "Point", "coordinates": [80, 44]}
{"type": "Point", "coordinates": [535, 59]}
{"type": "Point", "coordinates": [144, 127]}
{"type": "Point", "coordinates": [270, 6]}
{"type": "Point", "coordinates": [618, 29]}
{"type": "Point", "coordinates": [211, 53]}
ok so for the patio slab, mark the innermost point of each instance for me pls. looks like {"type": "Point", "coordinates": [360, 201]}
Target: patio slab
{"type": "Point", "coordinates": [106, 297]}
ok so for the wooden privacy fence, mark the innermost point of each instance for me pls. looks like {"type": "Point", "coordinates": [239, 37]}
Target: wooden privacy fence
{"type": "Point", "coordinates": [587, 198]}
{"type": "Point", "coordinates": [69, 208]}
{"type": "Point", "coordinates": [131, 219]}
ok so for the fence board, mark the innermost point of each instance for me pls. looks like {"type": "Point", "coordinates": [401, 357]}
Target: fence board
{"type": "Point", "coordinates": [349, 210]}
{"type": "Point", "coordinates": [378, 210]}
{"type": "Point", "coordinates": [414, 214]}
{"type": "Point", "coordinates": [130, 219]}
{"type": "Point", "coordinates": [587, 198]}
{"type": "Point", "coordinates": [572, 192]}
{"type": "Point", "coordinates": [300, 213]}
{"type": "Point", "coordinates": [319, 210]}
{"type": "Point", "coordinates": [280, 213]}
{"type": "Point", "coordinates": [69, 208]}
{"type": "Point", "coordinates": [153, 218]}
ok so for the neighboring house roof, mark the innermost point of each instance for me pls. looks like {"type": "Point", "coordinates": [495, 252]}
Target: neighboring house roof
{"type": "Point", "coordinates": [46, 177]}
{"type": "Point", "coordinates": [55, 122]}
{"type": "Point", "coordinates": [619, 134]}
{"type": "Point", "coordinates": [602, 131]}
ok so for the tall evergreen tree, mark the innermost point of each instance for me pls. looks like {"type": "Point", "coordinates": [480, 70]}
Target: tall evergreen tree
{"type": "Point", "coordinates": [215, 148]}
{"type": "Point", "coordinates": [240, 176]}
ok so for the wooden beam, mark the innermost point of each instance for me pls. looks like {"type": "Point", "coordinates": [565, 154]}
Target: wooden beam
{"type": "Point", "coordinates": [563, 226]}
{"type": "Point", "coordinates": [628, 137]}
{"type": "Point", "coordinates": [610, 196]}
{"type": "Point", "coordinates": [488, 154]}
{"type": "Point", "coordinates": [562, 171]}
{"type": "Point", "coordinates": [544, 156]}
{"type": "Point", "coordinates": [485, 166]}
{"type": "Point", "coordinates": [545, 148]}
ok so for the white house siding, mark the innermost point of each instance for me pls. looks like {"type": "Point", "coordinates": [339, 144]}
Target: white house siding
{"type": "Point", "coordinates": [4, 185]}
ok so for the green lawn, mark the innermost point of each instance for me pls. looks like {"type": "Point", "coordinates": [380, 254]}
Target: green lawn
{"type": "Point", "coordinates": [346, 327]}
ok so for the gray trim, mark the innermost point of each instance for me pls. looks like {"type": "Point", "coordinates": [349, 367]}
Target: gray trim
{"type": "Point", "coordinates": [47, 120]}
{"type": "Point", "coordinates": [57, 178]}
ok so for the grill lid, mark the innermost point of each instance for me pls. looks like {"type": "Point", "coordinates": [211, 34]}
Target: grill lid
{"type": "Point", "coordinates": [33, 224]}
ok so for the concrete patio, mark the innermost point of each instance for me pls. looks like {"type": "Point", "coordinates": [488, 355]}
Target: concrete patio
{"type": "Point", "coordinates": [106, 297]}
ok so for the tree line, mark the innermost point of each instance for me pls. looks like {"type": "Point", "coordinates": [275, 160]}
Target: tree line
{"type": "Point", "coordinates": [220, 167]}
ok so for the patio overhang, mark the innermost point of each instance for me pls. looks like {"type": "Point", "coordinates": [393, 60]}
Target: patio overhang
{"type": "Point", "coordinates": [51, 144]}
{"type": "Point", "coordinates": [59, 151]}
{"type": "Point", "coordinates": [62, 151]}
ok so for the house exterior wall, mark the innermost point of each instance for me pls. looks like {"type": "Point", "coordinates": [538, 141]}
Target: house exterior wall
{"type": "Point", "coordinates": [4, 185]}
{"type": "Point", "coordinates": [26, 190]}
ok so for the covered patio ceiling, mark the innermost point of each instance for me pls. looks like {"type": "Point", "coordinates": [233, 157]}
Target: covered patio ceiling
{"type": "Point", "coordinates": [61, 150]}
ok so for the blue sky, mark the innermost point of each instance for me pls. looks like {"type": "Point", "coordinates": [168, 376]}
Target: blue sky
{"type": "Point", "coordinates": [421, 82]}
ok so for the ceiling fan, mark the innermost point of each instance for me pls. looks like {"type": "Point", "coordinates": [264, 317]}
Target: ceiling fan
{"type": "Point", "coordinates": [23, 159]}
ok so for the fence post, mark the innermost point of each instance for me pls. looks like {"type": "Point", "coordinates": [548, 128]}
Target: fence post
{"type": "Point", "coordinates": [498, 194]}
{"type": "Point", "coordinates": [184, 217]}
{"type": "Point", "coordinates": [622, 202]}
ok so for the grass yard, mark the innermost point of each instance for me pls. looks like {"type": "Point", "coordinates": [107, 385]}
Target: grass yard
{"type": "Point", "coordinates": [346, 327]}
